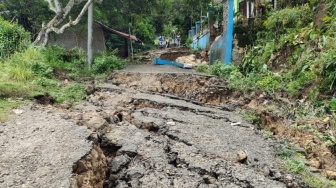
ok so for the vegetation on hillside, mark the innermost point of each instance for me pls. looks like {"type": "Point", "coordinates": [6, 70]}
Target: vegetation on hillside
{"type": "Point", "coordinates": [27, 72]}
{"type": "Point", "coordinates": [292, 64]}
{"type": "Point", "coordinates": [291, 57]}
{"type": "Point", "coordinates": [145, 18]}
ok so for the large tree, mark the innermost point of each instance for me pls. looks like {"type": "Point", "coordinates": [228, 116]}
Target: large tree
{"type": "Point", "coordinates": [29, 14]}
{"type": "Point", "coordinates": [62, 19]}
{"type": "Point", "coordinates": [145, 17]}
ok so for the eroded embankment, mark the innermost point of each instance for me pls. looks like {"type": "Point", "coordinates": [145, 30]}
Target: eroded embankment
{"type": "Point", "coordinates": [151, 140]}
{"type": "Point", "coordinates": [274, 116]}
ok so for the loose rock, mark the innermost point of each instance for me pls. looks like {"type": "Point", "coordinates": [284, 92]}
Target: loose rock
{"type": "Point", "coordinates": [241, 157]}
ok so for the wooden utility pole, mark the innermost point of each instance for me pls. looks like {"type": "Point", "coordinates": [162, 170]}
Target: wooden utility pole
{"type": "Point", "coordinates": [130, 41]}
{"type": "Point", "coordinates": [90, 34]}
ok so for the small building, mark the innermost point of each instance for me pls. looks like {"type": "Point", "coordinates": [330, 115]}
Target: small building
{"type": "Point", "coordinates": [77, 37]}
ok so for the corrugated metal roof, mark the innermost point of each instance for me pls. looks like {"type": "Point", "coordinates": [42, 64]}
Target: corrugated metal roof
{"type": "Point", "coordinates": [124, 35]}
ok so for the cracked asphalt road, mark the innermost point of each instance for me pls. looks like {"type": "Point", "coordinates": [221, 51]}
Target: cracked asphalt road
{"type": "Point", "coordinates": [145, 139]}
{"type": "Point", "coordinates": [159, 141]}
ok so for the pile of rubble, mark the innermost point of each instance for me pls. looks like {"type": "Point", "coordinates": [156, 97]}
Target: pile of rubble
{"type": "Point", "coordinates": [191, 60]}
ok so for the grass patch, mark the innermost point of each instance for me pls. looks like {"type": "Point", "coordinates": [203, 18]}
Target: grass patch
{"type": "Point", "coordinates": [297, 166]}
{"type": "Point", "coordinates": [252, 117]}
{"type": "Point", "coordinates": [313, 181]}
{"type": "Point", "coordinates": [202, 68]}
{"type": "Point", "coordinates": [71, 93]}
{"type": "Point", "coordinates": [6, 106]}
{"type": "Point", "coordinates": [53, 70]}
{"type": "Point", "coordinates": [294, 163]}
{"type": "Point", "coordinates": [14, 89]}
{"type": "Point", "coordinates": [268, 134]}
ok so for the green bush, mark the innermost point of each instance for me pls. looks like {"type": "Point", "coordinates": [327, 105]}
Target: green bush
{"type": "Point", "coordinates": [252, 117]}
{"type": "Point", "coordinates": [106, 63]}
{"type": "Point", "coordinates": [188, 41]}
{"type": "Point", "coordinates": [202, 68]}
{"type": "Point", "coordinates": [13, 38]}
{"type": "Point", "coordinates": [42, 69]}
{"type": "Point", "coordinates": [144, 30]}
{"type": "Point", "coordinates": [268, 82]}
{"type": "Point", "coordinates": [279, 21]}
{"type": "Point", "coordinates": [71, 93]}
{"type": "Point", "coordinates": [23, 66]}
{"type": "Point", "coordinates": [295, 166]}
{"type": "Point", "coordinates": [304, 79]}
{"type": "Point", "coordinates": [224, 71]}
{"type": "Point", "coordinates": [332, 104]}
{"type": "Point", "coordinates": [47, 82]}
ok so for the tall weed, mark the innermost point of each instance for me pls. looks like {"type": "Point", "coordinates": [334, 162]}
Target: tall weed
{"type": "Point", "coordinates": [13, 38]}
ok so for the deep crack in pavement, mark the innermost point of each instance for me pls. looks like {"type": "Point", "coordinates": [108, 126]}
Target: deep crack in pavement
{"type": "Point", "coordinates": [155, 135]}
{"type": "Point", "coordinates": [159, 141]}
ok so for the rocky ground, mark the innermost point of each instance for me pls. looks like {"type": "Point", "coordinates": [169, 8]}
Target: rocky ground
{"type": "Point", "coordinates": [141, 133]}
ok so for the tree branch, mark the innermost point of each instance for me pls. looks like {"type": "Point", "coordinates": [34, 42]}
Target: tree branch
{"type": "Point", "coordinates": [52, 26]}
{"type": "Point", "coordinates": [51, 5]}
{"type": "Point", "coordinates": [72, 23]}
{"type": "Point", "coordinates": [58, 6]}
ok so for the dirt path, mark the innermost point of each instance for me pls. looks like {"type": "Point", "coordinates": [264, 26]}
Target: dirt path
{"type": "Point", "coordinates": [143, 135]}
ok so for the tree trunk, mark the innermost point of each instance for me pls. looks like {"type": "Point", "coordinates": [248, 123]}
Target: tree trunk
{"type": "Point", "coordinates": [60, 15]}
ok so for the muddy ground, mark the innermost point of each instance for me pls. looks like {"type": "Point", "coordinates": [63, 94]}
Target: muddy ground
{"type": "Point", "coordinates": [141, 130]}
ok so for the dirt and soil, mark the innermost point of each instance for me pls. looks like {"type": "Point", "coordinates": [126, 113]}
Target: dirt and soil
{"type": "Point", "coordinates": [181, 55]}
{"type": "Point", "coordinates": [148, 126]}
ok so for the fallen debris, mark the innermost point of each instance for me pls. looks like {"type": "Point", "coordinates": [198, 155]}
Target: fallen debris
{"type": "Point", "coordinates": [241, 156]}
{"type": "Point", "coordinates": [17, 111]}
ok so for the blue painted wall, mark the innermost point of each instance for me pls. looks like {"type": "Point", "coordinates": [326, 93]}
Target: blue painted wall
{"type": "Point", "coordinates": [217, 51]}
{"type": "Point", "coordinates": [201, 42]}
{"type": "Point", "coordinates": [222, 48]}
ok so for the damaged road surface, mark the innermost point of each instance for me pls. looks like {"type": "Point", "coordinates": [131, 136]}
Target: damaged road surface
{"type": "Point", "coordinates": [172, 143]}
{"type": "Point", "coordinates": [155, 140]}
{"type": "Point", "coordinates": [129, 134]}
{"type": "Point", "coordinates": [38, 149]}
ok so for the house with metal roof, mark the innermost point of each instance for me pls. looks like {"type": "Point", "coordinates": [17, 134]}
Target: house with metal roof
{"type": "Point", "coordinates": [77, 37]}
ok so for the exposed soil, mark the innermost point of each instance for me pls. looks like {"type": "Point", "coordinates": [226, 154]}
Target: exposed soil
{"type": "Point", "coordinates": [281, 58]}
{"type": "Point", "coordinates": [61, 75]}
{"type": "Point", "coordinates": [170, 54]}
{"type": "Point", "coordinates": [44, 99]}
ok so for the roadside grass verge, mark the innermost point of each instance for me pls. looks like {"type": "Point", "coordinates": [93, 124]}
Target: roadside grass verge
{"type": "Point", "coordinates": [62, 74]}
{"type": "Point", "coordinates": [6, 105]}
{"type": "Point", "coordinates": [296, 165]}
{"type": "Point", "coordinates": [14, 89]}
{"type": "Point", "coordinates": [295, 162]}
